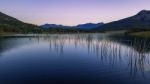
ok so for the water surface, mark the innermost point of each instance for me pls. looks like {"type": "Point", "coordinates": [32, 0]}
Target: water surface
{"type": "Point", "coordinates": [74, 59]}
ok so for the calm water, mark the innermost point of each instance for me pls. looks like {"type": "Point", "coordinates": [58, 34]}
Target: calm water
{"type": "Point", "coordinates": [74, 59]}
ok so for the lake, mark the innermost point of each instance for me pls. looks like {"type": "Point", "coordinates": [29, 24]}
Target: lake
{"type": "Point", "coordinates": [74, 59]}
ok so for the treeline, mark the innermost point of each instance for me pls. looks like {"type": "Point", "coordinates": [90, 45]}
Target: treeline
{"type": "Point", "coordinates": [19, 29]}
{"type": "Point", "coordinates": [66, 30]}
{"type": "Point", "coordinates": [35, 29]}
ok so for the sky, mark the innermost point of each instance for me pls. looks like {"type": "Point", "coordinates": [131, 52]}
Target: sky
{"type": "Point", "coordinates": [72, 12]}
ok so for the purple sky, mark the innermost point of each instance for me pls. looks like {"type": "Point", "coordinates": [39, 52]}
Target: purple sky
{"type": "Point", "coordinates": [72, 12]}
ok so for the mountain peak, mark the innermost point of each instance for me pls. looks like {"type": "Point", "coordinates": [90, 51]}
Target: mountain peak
{"type": "Point", "coordinates": [144, 12]}
{"type": "Point", "coordinates": [143, 15]}
{"type": "Point", "coordinates": [2, 14]}
{"type": "Point", "coordinates": [139, 21]}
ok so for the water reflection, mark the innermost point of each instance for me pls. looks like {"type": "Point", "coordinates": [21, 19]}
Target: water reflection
{"type": "Point", "coordinates": [134, 52]}
{"type": "Point", "coordinates": [7, 43]}
{"type": "Point", "coordinates": [129, 54]}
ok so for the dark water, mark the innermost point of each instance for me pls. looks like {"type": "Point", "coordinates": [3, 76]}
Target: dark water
{"type": "Point", "coordinates": [74, 59]}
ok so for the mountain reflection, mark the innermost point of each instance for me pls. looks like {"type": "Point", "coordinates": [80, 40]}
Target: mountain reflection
{"type": "Point", "coordinates": [131, 53]}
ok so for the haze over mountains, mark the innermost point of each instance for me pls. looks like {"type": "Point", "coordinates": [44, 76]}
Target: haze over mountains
{"type": "Point", "coordinates": [140, 21]}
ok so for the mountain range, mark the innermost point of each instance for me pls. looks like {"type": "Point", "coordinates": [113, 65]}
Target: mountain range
{"type": "Point", "coordinates": [140, 21]}
{"type": "Point", "coordinates": [82, 26]}
{"type": "Point", "coordinates": [47, 26]}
